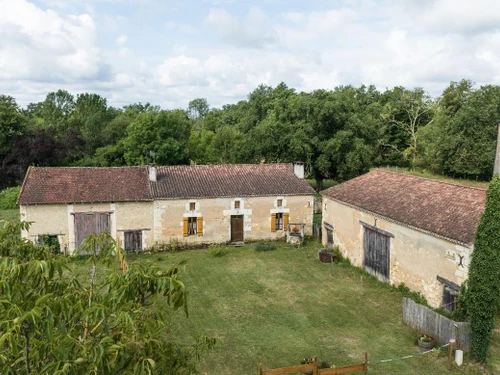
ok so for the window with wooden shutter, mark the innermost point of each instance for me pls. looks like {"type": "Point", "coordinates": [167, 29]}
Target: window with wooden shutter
{"type": "Point", "coordinates": [185, 227]}
{"type": "Point", "coordinates": [273, 222]}
{"type": "Point", "coordinates": [285, 220]}
{"type": "Point", "coordinates": [199, 227]}
{"type": "Point", "coordinates": [279, 221]}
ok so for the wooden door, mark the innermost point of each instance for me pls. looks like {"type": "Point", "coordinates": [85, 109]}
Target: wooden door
{"type": "Point", "coordinates": [87, 223]}
{"type": "Point", "coordinates": [237, 228]}
{"type": "Point", "coordinates": [133, 240]}
{"type": "Point", "coordinates": [376, 253]}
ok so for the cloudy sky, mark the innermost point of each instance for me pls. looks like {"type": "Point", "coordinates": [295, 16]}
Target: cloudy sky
{"type": "Point", "coordinates": [168, 52]}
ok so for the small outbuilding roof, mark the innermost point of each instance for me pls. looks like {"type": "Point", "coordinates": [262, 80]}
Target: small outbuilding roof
{"type": "Point", "coordinates": [53, 185]}
{"type": "Point", "coordinates": [228, 180]}
{"type": "Point", "coordinates": [447, 210]}
{"type": "Point", "coordinates": [62, 185]}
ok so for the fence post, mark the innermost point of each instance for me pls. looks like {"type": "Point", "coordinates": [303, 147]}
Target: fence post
{"type": "Point", "coordinates": [260, 369]}
{"type": "Point", "coordinates": [315, 368]}
{"type": "Point", "coordinates": [450, 351]}
{"type": "Point", "coordinates": [366, 363]}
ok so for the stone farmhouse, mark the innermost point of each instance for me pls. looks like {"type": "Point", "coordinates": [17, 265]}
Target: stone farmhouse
{"type": "Point", "coordinates": [144, 205]}
{"type": "Point", "coordinates": [406, 229]}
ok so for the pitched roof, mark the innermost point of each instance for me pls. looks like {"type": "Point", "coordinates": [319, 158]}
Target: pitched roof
{"type": "Point", "coordinates": [446, 210]}
{"type": "Point", "coordinates": [45, 185]}
{"type": "Point", "coordinates": [49, 185]}
{"type": "Point", "coordinates": [228, 180]}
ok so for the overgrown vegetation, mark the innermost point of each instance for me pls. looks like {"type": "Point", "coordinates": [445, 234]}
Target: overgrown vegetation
{"type": "Point", "coordinates": [338, 133]}
{"type": "Point", "coordinates": [218, 251]}
{"type": "Point", "coordinates": [483, 297]}
{"type": "Point", "coordinates": [265, 246]}
{"type": "Point", "coordinates": [8, 198]}
{"type": "Point", "coordinates": [112, 320]}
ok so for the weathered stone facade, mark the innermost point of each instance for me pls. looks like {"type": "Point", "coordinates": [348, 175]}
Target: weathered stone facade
{"type": "Point", "coordinates": [161, 221]}
{"type": "Point", "coordinates": [417, 258]}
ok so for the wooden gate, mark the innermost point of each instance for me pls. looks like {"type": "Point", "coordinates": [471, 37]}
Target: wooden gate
{"type": "Point", "coordinates": [377, 252]}
{"type": "Point", "coordinates": [133, 240]}
{"type": "Point", "coordinates": [237, 228]}
{"type": "Point", "coordinates": [87, 223]}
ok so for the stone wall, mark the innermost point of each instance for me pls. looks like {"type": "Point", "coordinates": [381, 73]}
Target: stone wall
{"type": "Point", "coordinates": [216, 214]}
{"type": "Point", "coordinates": [416, 258]}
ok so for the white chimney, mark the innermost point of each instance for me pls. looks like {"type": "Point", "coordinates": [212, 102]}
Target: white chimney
{"type": "Point", "coordinates": [298, 169]}
{"type": "Point", "coordinates": [496, 169]}
{"type": "Point", "coordinates": [152, 173]}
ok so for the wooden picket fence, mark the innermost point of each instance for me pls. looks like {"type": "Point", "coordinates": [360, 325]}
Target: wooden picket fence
{"type": "Point", "coordinates": [350, 369]}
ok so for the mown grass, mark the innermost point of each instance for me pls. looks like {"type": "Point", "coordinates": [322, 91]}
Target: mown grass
{"type": "Point", "coordinates": [276, 307]}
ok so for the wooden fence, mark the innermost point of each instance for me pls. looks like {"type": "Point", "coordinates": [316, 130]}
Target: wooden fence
{"type": "Point", "coordinates": [313, 369]}
{"type": "Point", "coordinates": [428, 321]}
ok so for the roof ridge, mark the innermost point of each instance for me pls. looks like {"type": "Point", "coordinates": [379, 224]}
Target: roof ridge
{"type": "Point", "coordinates": [426, 178]}
{"type": "Point", "coordinates": [223, 164]}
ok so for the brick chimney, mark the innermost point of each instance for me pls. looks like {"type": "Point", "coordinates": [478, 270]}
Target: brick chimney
{"type": "Point", "coordinates": [496, 169]}
{"type": "Point", "coordinates": [298, 169]}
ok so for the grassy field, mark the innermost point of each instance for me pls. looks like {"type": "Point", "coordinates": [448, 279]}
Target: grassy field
{"type": "Point", "coordinates": [279, 306]}
{"type": "Point", "coordinates": [427, 174]}
{"type": "Point", "coordinates": [9, 214]}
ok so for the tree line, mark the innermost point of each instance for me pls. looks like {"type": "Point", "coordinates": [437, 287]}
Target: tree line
{"type": "Point", "coordinates": [339, 133]}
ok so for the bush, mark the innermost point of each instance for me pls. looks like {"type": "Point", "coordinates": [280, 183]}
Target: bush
{"type": "Point", "coordinates": [265, 246]}
{"type": "Point", "coordinates": [8, 198]}
{"type": "Point", "coordinates": [217, 252]}
{"type": "Point", "coordinates": [415, 296]}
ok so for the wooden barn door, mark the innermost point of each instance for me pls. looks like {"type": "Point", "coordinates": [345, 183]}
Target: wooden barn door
{"type": "Point", "coordinates": [237, 228]}
{"type": "Point", "coordinates": [377, 253]}
{"type": "Point", "coordinates": [87, 223]}
{"type": "Point", "coordinates": [133, 240]}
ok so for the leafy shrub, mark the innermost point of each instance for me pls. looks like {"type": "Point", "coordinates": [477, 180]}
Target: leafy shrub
{"type": "Point", "coordinates": [51, 242]}
{"type": "Point", "coordinates": [8, 198]}
{"type": "Point", "coordinates": [217, 252]}
{"type": "Point", "coordinates": [265, 246]}
{"type": "Point", "coordinates": [415, 296]}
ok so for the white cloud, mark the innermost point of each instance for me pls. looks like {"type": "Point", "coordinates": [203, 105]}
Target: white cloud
{"type": "Point", "coordinates": [253, 31]}
{"type": "Point", "coordinates": [42, 45]}
{"type": "Point", "coordinates": [122, 40]}
{"type": "Point", "coordinates": [461, 16]}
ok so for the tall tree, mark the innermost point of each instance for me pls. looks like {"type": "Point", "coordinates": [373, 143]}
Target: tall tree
{"type": "Point", "coordinates": [12, 123]}
{"type": "Point", "coordinates": [405, 112]}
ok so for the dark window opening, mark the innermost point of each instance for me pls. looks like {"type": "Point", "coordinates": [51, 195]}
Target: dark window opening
{"type": "Point", "coordinates": [51, 241]}
{"type": "Point", "coordinates": [280, 203]}
{"type": "Point", "coordinates": [192, 229]}
{"type": "Point", "coordinates": [237, 204]}
{"type": "Point", "coordinates": [279, 221]}
{"type": "Point", "coordinates": [192, 206]}
{"type": "Point", "coordinates": [450, 298]}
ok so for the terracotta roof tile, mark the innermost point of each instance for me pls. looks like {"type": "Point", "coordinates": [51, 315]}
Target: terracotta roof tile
{"type": "Point", "coordinates": [91, 185]}
{"type": "Point", "coordinates": [447, 210]}
{"type": "Point", "coordinates": [228, 180]}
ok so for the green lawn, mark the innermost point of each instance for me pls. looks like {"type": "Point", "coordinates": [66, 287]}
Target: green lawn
{"type": "Point", "coordinates": [9, 214]}
{"type": "Point", "coordinates": [280, 306]}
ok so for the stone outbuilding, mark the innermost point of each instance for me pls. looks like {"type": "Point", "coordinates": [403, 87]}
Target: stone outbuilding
{"type": "Point", "coordinates": [146, 205]}
{"type": "Point", "coordinates": [406, 229]}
